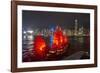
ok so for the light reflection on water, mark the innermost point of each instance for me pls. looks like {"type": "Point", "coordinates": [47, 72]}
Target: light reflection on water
{"type": "Point", "coordinates": [80, 43]}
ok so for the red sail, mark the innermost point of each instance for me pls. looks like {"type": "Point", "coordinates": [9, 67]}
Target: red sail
{"type": "Point", "coordinates": [40, 47]}
{"type": "Point", "coordinates": [59, 39]}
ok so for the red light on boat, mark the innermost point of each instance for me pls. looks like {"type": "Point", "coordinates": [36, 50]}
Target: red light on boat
{"type": "Point", "coordinates": [40, 47]}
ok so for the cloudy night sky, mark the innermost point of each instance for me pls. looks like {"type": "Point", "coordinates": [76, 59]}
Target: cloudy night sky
{"type": "Point", "coordinates": [45, 19]}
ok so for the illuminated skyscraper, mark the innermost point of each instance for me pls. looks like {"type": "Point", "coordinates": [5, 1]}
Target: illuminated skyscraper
{"type": "Point", "coordinates": [76, 27]}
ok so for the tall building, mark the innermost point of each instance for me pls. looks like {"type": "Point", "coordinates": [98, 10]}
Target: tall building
{"type": "Point", "coordinates": [81, 31]}
{"type": "Point", "coordinates": [76, 27]}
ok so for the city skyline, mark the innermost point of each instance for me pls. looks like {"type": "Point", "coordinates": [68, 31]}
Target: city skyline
{"type": "Point", "coordinates": [44, 19]}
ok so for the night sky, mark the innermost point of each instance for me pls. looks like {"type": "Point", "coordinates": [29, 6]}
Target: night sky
{"type": "Point", "coordinates": [45, 19]}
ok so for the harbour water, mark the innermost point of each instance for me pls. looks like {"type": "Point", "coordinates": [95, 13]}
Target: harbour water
{"type": "Point", "coordinates": [77, 44]}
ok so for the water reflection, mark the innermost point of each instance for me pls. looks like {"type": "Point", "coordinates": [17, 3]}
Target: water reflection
{"type": "Point", "coordinates": [79, 43]}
